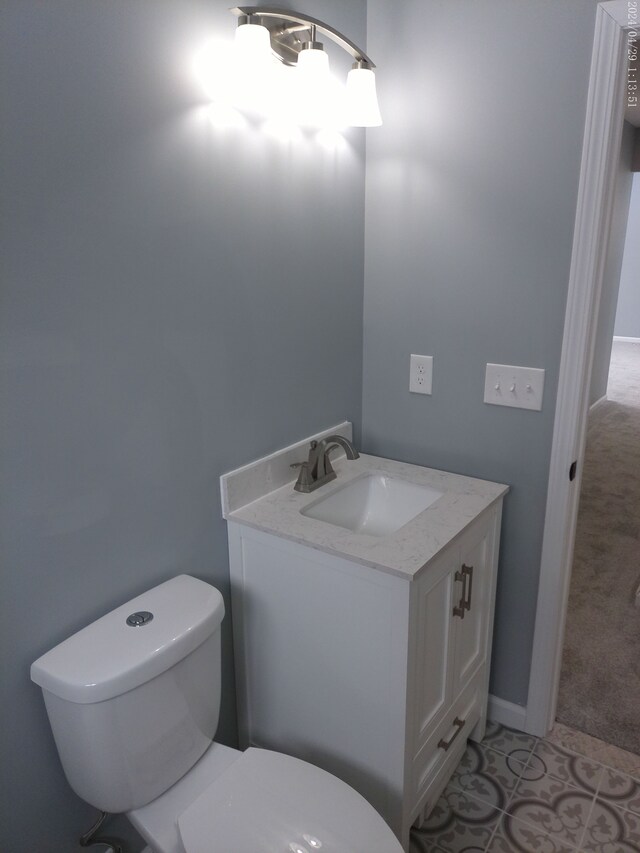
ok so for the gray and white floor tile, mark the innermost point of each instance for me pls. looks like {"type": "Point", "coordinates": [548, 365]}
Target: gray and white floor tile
{"type": "Point", "coordinates": [515, 793]}
{"type": "Point", "coordinates": [516, 836]}
{"type": "Point", "coordinates": [555, 808]}
{"type": "Point", "coordinates": [458, 824]}
{"type": "Point", "coordinates": [488, 775]}
{"type": "Point", "coordinates": [611, 830]}
{"type": "Point", "coordinates": [549, 759]}
{"type": "Point", "coordinates": [620, 790]}
{"type": "Point", "coordinates": [509, 741]}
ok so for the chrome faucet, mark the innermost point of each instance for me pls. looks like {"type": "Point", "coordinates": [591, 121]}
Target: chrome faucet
{"type": "Point", "coordinates": [317, 469]}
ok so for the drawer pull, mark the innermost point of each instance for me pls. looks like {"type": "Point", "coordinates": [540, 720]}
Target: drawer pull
{"type": "Point", "coordinates": [465, 601]}
{"type": "Point", "coordinates": [445, 744]}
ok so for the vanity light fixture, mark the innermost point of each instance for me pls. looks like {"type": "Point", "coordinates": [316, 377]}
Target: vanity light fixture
{"type": "Point", "coordinates": [292, 39]}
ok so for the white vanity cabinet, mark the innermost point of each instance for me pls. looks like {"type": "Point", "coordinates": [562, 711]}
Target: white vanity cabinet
{"type": "Point", "coordinates": [379, 677]}
{"type": "Point", "coordinates": [451, 621]}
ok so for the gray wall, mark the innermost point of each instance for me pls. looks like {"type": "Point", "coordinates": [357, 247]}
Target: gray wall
{"type": "Point", "coordinates": [470, 205]}
{"type": "Point", "coordinates": [612, 277]}
{"type": "Point", "coordinates": [176, 301]}
{"type": "Point", "coordinates": [627, 322]}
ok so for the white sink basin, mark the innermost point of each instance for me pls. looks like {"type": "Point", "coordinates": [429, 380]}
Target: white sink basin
{"type": "Point", "coordinates": [374, 503]}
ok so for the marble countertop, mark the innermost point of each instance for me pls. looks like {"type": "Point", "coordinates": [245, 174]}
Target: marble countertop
{"type": "Point", "coordinates": [404, 552]}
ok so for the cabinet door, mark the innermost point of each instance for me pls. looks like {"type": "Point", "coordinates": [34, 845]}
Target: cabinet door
{"type": "Point", "coordinates": [470, 613]}
{"type": "Point", "coordinates": [432, 658]}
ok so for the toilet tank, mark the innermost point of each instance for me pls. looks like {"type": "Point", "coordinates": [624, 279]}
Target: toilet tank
{"type": "Point", "coordinates": [134, 706]}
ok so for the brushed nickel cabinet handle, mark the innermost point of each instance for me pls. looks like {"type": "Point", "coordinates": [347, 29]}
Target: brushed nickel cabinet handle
{"type": "Point", "coordinates": [458, 610]}
{"type": "Point", "coordinates": [445, 744]}
{"type": "Point", "coordinates": [468, 572]}
{"type": "Point", "coordinates": [465, 601]}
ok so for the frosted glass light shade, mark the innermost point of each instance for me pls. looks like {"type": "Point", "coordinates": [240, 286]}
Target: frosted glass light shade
{"type": "Point", "coordinates": [313, 63]}
{"type": "Point", "coordinates": [253, 41]}
{"type": "Point", "coordinates": [251, 77]}
{"type": "Point", "coordinates": [362, 99]}
{"type": "Point", "coordinates": [316, 101]}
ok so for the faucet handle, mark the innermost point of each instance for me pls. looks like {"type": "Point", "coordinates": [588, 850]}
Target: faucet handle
{"type": "Point", "coordinates": [304, 480]}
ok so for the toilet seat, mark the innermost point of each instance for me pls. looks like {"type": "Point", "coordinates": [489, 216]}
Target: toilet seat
{"type": "Point", "coordinates": [267, 802]}
{"type": "Point", "coordinates": [260, 801]}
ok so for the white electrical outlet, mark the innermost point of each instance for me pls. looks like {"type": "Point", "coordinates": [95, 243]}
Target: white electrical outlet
{"type": "Point", "coordinates": [420, 374]}
{"type": "Point", "coordinates": [519, 387]}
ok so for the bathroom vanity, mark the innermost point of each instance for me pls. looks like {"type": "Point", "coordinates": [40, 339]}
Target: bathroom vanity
{"type": "Point", "coordinates": [366, 654]}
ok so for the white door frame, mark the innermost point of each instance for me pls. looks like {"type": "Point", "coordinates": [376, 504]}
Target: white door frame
{"type": "Point", "coordinates": [600, 157]}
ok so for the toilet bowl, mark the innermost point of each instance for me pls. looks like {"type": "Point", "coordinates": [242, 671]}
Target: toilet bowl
{"type": "Point", "coordinates": [133, 701]}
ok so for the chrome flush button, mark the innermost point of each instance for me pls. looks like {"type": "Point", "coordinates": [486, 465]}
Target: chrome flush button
{"type": "Point", "coordinates": [142, 617]}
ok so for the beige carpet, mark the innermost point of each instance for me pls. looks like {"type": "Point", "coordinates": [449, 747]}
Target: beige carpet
{"type": "Point", "coordinates": [600, 681]}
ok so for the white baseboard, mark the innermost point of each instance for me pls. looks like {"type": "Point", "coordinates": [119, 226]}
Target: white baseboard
{"type": "Point", "coordinates": [627, 340]}
{"type": "Point", "coordinates": [597, 403]}
{"type": "Point", "coordinates": [506, 713]}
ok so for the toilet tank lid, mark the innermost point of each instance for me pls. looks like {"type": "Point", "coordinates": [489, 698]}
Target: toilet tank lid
{"type": "Point", "coordinates": [110, 657]}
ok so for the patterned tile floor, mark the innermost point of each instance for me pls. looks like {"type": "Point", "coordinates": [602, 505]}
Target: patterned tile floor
{"type": "Point", "coordinates": [515, 793]}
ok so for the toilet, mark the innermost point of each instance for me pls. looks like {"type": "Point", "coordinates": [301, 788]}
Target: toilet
{"type": "Point", "coordinates": [133, 700]}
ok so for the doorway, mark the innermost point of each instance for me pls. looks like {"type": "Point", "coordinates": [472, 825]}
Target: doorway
{"type": "Point", "coordinates": [599, 684]}
{"type": "Point", "coordinates": [600, 675]}
{"type": "Point", "coordinates": [603, 130]}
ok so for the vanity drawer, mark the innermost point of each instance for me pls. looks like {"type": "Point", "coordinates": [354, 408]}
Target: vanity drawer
{"type": "Point", "coordinates": [436, 784]}
{"type": "Point", "coordinates": [438, 758]}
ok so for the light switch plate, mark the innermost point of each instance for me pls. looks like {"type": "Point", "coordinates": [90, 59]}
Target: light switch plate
{"type": "Point", "coordinates": [519, 387]}
{"type": "Point", "coordinates": [421, 374]}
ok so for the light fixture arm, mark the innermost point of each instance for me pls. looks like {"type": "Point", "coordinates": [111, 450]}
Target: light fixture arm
{"type": "Point", "coordinates": [284, 38]}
